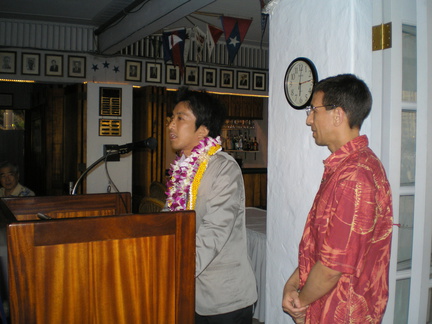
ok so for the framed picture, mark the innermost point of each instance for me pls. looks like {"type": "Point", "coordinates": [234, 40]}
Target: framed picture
{"type": "Point", "coordinates": [209, 77]}
{"type": "Point", "coordinates": [133, 71]}
{"type": "Point", "coordinates": [172, 74]}
{"type": "Point", "coordinates": [243, 80]}
{"type": "Point", "coordinates": [54, 65]}
{"type": "Point", "coordinates": [153, 72]}
{"type": "Point", "coordinates": [226, 79]}
{"type": "Point", "coordinates": [259, 81]}
{"type": "Point", "coordinates": [192, 75]}
{"type": "Point", "coordinates": [110, 101]}
{"type": "Point", "coordinates": [30, 63]}
{"type": "Point", "coordinates": [77, 66]}
{"type": "Point", "coordinates": [7, 62]}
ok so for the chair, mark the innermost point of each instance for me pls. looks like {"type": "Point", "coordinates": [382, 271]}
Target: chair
{"type": "Point", "coordinates": [157, 190]}
{"type": "Point", "coordinates": [150, 205]}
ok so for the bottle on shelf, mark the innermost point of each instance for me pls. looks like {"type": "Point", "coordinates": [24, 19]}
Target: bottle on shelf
{"type": "Point", "coordinates": [238, 136]}
{"type": "Point", "coordinates": [240, 143]}
{"type": "Point", "coordinates": [235, 142]}
{"type": "Point", "coordinates": [246, 143]}
{"type": "Point", "coordinates": [255, 144]}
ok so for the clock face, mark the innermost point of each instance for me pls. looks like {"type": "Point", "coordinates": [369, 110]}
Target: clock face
{"type": "Point", "coordinates": [300, 79]}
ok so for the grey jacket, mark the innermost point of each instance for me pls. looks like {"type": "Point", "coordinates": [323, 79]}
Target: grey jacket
{"type": "Point", "coordinates": [225, 281]}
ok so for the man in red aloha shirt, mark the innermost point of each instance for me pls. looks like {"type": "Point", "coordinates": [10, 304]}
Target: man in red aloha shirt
{"type": "Point", "coordinates": [342, 275]}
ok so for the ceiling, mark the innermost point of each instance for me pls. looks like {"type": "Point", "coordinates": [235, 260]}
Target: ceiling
{"type": "Point", "coordinates": [117, 30]}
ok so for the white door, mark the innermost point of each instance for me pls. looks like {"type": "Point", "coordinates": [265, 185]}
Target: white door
{"type": "Point", "coordinates": [402, 90]}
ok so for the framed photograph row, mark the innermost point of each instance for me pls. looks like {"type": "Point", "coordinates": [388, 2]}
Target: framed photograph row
{"type": "Point", "coordinates": [31, 64]}
{"type": "Point", "coordinates": [75, 67]}
{"type": "Point", "coordinates": [244, 79]}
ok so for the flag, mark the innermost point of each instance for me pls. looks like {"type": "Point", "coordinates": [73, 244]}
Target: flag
{"type": "Point", "coordinates": [213, 35]}
{"type": "Point", "coordinates": [264, 19]}
{"type": "Point", "coordinates": [187, 43]}
{"type": "Point", "coordinates": [200, 40]}
{"type": "Point", "coordinates": [173, 46]}
{"type": "Point", "coordinates": [156, 43]}
{"type": "Point", "coordinates": [235, 30]}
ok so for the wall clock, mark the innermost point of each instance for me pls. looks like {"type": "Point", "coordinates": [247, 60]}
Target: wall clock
{"type": "Point", "coordinates": [300, 79]}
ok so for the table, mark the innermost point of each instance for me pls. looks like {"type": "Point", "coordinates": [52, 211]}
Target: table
{"type": "Point", "coordinates": [256, 241]}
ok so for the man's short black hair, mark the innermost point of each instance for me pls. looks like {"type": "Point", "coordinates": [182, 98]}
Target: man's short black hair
{"type": "Point", "coordinates": [207, 109]}
{"type": "Point", "coordinates": [350, 93]}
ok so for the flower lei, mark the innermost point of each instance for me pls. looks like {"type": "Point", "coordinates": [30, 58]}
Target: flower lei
{"type": "Point", "coordinates": [185, 175]}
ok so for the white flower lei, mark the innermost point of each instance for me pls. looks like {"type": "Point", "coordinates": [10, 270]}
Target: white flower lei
{"type": "Point", "coordinates": [182, 173]}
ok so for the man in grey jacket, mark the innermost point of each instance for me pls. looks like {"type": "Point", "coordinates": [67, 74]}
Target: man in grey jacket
{"type": "Point", "coordinates": [209, 181]}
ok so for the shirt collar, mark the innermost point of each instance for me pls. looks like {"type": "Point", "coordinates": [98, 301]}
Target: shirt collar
{"type": "Point", "coordinates": [352, 146]}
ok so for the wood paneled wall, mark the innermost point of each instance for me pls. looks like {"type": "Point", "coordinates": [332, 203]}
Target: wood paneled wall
{"type": "Point", "coordinates": [256, 189]}
{"type": "Point", "coordinates": [57, 140]}
{"type": "Point", "coordinates": [150, 105]}
{"type": "Point", "coordinates": [240, 107]}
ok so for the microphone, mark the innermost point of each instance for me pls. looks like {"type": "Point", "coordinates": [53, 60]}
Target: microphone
{"type": "Point", "coordinates": [150, 143]}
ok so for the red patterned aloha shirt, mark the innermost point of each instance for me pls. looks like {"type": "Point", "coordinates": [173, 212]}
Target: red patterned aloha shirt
{"type": "Point", "coordinates": [349, 230]}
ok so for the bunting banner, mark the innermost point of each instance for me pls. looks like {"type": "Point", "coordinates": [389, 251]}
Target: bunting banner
{"type": "Point", "coordinates": [235, 30]}
{"type": "Point", "coordinates": [264, 20]}
{"type": "Point", "coordinates": [213, 35]}
{"type": "Point", "coordinates": [173, 47]}
{"type": "Point", "coordinates": [187, 47]}
{"type": "Point", "coordinates": [156, 43]}
{"type": "Point", "coordinates": [200, 40]}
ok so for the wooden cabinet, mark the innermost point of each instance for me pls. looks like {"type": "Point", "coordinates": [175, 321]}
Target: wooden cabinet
{"type": "Point", "coordinates": [255, 188]}
{"type": "Point", "coordinates": [241, 107]}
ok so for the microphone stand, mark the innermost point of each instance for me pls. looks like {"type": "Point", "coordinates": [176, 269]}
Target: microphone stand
{"type": "Point", "coordinates": [88, 170]}
{"type": "Point", "coordinates": [115, 150]}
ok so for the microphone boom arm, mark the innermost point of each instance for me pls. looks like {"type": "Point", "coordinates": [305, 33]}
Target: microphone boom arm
{"type": "Point", "coordinates": [88, 170]}
{"type": "Point", "coordinates": [149, 143]}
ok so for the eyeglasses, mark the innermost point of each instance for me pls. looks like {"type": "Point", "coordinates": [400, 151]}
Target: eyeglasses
{"type": "Point", "coordinates": [310, 109]}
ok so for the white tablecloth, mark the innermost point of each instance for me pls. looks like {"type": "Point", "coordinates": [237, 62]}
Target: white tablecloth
{"type": "Point", "coordinates": [256, 235]}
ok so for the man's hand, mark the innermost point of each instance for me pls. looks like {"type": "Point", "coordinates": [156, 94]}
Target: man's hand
{"type": "Point", "coordinates": [291, 304]}
{"type": "Point", "coordinates": [290, 300]}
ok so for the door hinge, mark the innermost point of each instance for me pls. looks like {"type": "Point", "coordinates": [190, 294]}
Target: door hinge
{"type": "Point", "coordinates": [381, 37]}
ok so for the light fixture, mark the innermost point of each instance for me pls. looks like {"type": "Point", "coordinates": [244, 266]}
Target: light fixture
{"type": "Point", "coordinates": [12, 80]}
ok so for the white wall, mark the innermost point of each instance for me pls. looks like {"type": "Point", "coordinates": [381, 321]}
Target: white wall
{"type": "Point", "coordinates": [336, 36]}
{"type": "Point", "coordinates": [121, 171]}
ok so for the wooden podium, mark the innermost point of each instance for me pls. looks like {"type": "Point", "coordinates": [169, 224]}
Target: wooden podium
{"type": "Point", "coordinates": [94, 262]}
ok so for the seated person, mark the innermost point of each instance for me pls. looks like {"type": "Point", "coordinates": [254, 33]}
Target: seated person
{"type": "Point", "coordinates": [9, 177]}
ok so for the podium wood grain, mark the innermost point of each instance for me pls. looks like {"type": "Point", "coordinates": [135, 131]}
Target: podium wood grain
{"type": "Point", "coordinates": [81, 267]}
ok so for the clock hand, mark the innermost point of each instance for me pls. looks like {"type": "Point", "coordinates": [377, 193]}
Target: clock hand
{"type": "Point", "coordinates": [300, 83]}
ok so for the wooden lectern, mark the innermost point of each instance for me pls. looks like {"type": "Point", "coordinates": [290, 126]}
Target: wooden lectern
{"type": "Point", "coordinates": [94, 262]}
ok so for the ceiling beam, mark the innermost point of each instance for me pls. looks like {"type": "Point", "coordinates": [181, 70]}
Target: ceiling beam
{"type": "Point", "coordinates": [146, 19]}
